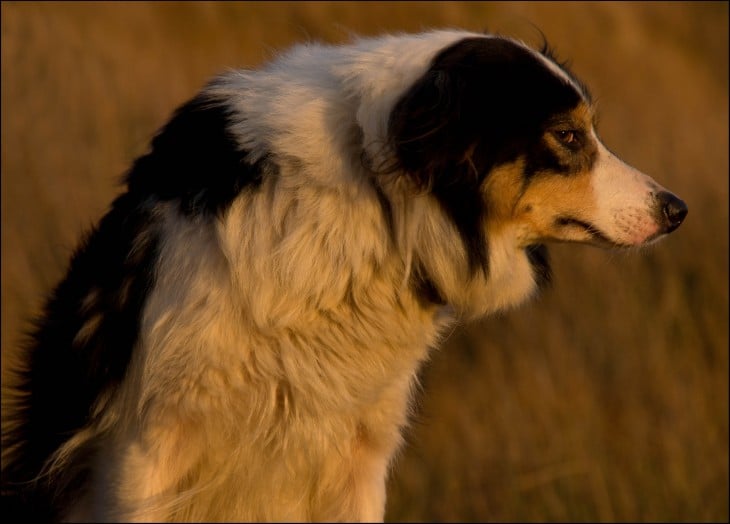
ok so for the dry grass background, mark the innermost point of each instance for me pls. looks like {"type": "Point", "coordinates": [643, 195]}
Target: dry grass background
{"type": "Point", "coordinates": [606, 399]}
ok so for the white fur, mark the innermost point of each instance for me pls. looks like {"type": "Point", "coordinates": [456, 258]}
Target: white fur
{"type": "Point", "coordinates": [624, 197]}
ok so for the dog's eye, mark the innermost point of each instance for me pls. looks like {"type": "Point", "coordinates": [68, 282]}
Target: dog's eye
{"type": "Point", "coordinates": [567, 136]}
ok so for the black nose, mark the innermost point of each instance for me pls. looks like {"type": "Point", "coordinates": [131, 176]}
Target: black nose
{"type": "Point", "coordinates": [673, 210]}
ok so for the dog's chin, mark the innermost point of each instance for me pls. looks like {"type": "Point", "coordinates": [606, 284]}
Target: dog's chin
{"type": "Point", "coordinates": [632, 240]}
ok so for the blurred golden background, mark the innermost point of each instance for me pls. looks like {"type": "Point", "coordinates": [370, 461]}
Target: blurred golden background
{"type": "Point", "coordinates": [605, 399]}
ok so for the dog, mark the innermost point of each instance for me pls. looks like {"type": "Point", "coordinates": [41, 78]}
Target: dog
{"type": "Point", "coordinates": [239, 336]}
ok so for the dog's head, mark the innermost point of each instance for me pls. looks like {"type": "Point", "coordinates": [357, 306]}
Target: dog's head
{"type": "Point", "coordinates": [502, 137]}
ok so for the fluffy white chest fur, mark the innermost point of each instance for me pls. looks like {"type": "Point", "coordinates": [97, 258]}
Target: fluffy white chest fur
{"type": "Point", "coordinates": [288, 400]}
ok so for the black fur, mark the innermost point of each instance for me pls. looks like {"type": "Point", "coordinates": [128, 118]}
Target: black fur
{"type": "Point", "coordinates": [483, 102]}
{"type": "Point", "coordinates": [196, 161]}
{"type": "Point", "coordinates": [64, 375]}
{"type": "Point", "coordinates": [537, 254]}
{"type": "Point", "coordinates": [549, 52]}
{"type": "Point", "coordinates": [62, 380]}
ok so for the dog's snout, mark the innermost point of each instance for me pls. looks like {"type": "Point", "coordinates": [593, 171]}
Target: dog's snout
{"type": "Point", "coordinates": [673, 210]}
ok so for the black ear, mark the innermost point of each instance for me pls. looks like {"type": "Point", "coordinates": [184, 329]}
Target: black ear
{"type": "Point", "coordinates": [469, 95]}
{"type": "Point", "coordinates": [425, 126]}
{"type": "Point", "coordinates": [432, 135]}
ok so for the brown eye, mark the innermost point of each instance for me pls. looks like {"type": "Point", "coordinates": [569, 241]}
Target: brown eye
{"type": "Point", "coordinates": [566, 136]}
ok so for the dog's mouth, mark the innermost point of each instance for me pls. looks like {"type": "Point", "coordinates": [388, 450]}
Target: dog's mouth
{"type": "Point", "coordinates": [594, 234]}
{"type": "Point", "coordinates": [597, 237]}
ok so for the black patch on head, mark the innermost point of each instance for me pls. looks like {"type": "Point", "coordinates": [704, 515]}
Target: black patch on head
{"type": "Point", "coordinates": [482, 103]}
{"type": "Point", "coordinates": [537, 254]}
{"type": "Point", "coordinates": [549, 52]}
{"type": "Point", "coordinates": [196, 160]}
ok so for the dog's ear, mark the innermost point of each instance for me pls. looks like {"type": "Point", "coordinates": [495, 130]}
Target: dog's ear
{"type": "Point", "coordinates": [424, 128]}
{"type": "Point", "coordinates": [432, 137]}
